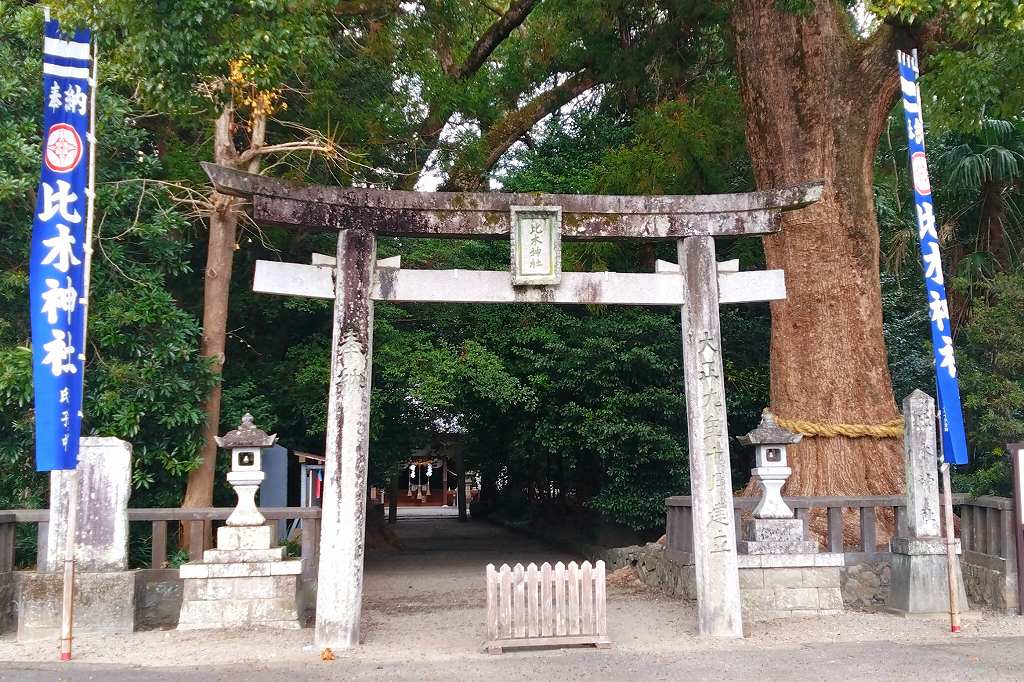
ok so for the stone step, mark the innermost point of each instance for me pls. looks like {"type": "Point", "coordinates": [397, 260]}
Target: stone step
{"type": "Point", "coordinates": [234, 556]}
{"type": "Point", "coordinates": [227, 613]}
{"type": "Point", "coordinates": [777, 530]}
{"type": "Point", "coordinates": [777, 547]}
{"type": "Point", "coordinates": [238, 569]}
{"type": "Point", "coordinates": [790, 560]}
{"type": "Point", "coordinates": [263, 587]}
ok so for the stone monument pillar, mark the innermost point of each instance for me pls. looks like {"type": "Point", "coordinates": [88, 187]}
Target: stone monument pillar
{"type": "Point", "coordinates": [104, 485]}
{"type": "Point", "coordinates": [104, 587]}
{"type": "Point", "coordinates": [919, 583]}
{"type": "Point", "coordinates": [246, 581]}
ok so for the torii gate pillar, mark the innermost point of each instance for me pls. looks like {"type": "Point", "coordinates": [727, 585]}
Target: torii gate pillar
{"type": "Point", "coordinates": [714, 537]}
{"type": "Point", "coordinates": [339, 592]}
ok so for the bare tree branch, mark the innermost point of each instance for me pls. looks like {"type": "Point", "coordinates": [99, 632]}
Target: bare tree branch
{"type": "Point", "coordinates": [494, 36]}
{"type": "Point", "coordinates": [429, 132]}
{"type": "Point", "coordinates": [875, 73]}
{"type": "Point", "coordinates": [492, 7]}
{"type": "Point", "coordinates": [253, 153]}
{"type": "Point", "coordinates": [514, 125]}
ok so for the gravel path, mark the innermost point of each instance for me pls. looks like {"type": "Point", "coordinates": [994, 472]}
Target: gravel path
{"type": "Point", "coordinates": [423, 620]}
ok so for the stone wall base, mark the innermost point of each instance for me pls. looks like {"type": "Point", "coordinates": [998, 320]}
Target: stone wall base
{"type": "Point", "coordinates": [919, 585]}
{"type": "Point", "coordinates": [770, 586]}
{"type": "Point", "coordinates": [264, 601]}
{"type": "Point", "coordinates": [157, 603]}
{"type": "Point", "coordinates": [8, 601]}
{"type": "Point", "coordinates": [104, 603]}
{"type": "Point", "coordinates": [866, 584]}
{"type": "Point", "coordinates": [771, 593]}
{"type": "Point", "coordinates": [158, 594]}
{"type": "Point", "coordinates": [991, 581]}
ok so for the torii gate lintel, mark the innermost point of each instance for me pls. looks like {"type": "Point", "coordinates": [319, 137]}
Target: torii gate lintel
{"type": "Point", "coordinates": [486, 215]}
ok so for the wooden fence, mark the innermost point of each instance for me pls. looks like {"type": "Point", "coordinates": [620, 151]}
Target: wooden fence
{"type": "Point", "coordinates": [986, 523]}
{"type": "Point", "coordinates": [165, 523]}
{"type": "Point", "coordinates": [987, 531]}
{"type": "Point", "coordinates": [560, 606]}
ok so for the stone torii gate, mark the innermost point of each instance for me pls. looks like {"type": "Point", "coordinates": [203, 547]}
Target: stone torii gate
{"type": "Point", "coordinates": [536, 224]}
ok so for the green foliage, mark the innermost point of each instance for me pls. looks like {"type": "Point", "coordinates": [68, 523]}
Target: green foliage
{"type": "Point", "coordinates": [144, 379]}
{"type": "Point", "coordinates": [995, 153]}
{"type": "Point", "coordinates": [181, 51]}
{"type": "Point", "coordinates": [176, 559]}
{"type": "Point", "coordinates": [962, 17]}
{"type": "Point", "coordinates": [907, 339]}
{"type": "Point", "coordinates": [991, 365]}
{"type": "Point", "coordinates": [693, 147]}
{"type": "Point", "coordinates": [571, 410]}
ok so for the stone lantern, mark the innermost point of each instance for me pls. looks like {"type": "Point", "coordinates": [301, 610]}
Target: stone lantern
{"type": "Point", "coordinates": [771, 468]}
{"type": "Point", "coordinates": [246, 444]}
{"type": "Point", "coordinates": [772, 530]}
{"type": "Point", "coordinates": [246, 581]}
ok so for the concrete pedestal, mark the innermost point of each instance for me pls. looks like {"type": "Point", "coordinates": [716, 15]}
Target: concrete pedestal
{"type": "Point", "coordinates": [919, 584]}
{"type": "Point", "coordinates": [781, 572]}
{"type": "Point", "coordinates": [104, 603]}
{"type": "Point", "coordinates": [790, 585]}
{"type": "Point", "coordinates": [244, 582]}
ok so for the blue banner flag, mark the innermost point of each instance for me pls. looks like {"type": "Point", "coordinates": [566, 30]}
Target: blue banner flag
{"type": "Point", "coordinates": [954, 445]}
{"type": "Point", "coordinates": [58, 258]}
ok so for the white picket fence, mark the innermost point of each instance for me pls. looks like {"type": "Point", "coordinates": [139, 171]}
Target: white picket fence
{"type": "Point", "coordinates": [560, 606]}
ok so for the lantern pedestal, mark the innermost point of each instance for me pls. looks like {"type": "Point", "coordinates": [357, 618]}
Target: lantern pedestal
{"type": "Point", "coordinates": [775, 536]}
{"type": "Point", "coordinates": [771, 480]}
{"type": "Point", "coordinates": [244, 582]}
{"type": "Point", "coordinates": [782, 573]}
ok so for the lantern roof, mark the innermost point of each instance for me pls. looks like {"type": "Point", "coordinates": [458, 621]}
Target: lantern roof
{"type": "Point", "coordinates": [247, 435]}
{"type": "Point", "coordinates": [770, 433]}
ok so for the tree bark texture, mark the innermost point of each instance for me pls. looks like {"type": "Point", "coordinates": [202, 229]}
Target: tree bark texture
{"type": "Point", "coordinates": [816, 99]}
{"type": "Point", "coordinates": [220, 253]}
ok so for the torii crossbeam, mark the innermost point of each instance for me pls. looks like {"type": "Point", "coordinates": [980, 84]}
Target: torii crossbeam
{"type": "Point", "coordinates": [354, 279]}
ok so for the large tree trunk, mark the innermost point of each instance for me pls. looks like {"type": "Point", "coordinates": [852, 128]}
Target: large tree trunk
{"type": "Point", "coordinates": [220, 252]}
{"type": "Point", "coordinates": [219, 257]}
{"type": "Point", "coordinates": [816, 101]}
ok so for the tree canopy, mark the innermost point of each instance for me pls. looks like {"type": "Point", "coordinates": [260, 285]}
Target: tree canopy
{"type": "Point", "coordinates": [577, 408]}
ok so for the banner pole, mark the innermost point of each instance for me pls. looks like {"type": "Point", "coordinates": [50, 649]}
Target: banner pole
{"type": "Point", "coordinates": [67, 614]}
{"type": "Point", "coordinates": [947, 489]}
{"type": "Point", "coordinates": [947, 499]}
{"type": "Point", "coordinates": [71, 480]}
{"type": "Point", "coordinates": [90, 198]}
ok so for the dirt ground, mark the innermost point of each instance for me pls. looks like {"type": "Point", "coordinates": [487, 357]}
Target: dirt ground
{"type": "Point", "coordinates": [423, 619]}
